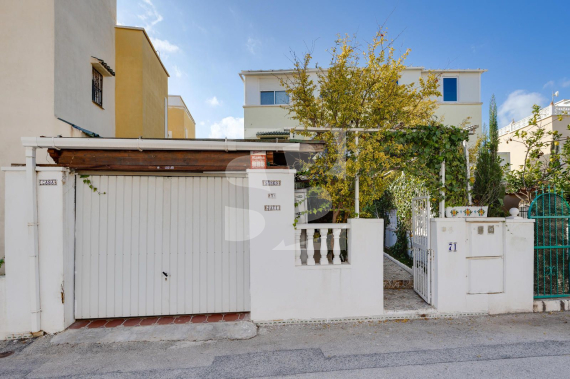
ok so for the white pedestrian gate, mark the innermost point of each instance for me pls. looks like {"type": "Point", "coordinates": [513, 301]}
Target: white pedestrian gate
{"type": "Point", "coordinates": [422, 253]}
{"type": "Point", "coordinates": [157, 245]}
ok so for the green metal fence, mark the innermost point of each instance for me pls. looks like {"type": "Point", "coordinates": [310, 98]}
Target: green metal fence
{"type": "Point", "coordinates": [551, 244]}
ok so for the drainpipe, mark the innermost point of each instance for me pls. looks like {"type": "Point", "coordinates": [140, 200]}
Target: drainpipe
{"type": "Point", "coordinates": [33, 242]}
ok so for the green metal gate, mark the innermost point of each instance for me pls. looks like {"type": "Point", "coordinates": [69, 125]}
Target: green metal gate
{"type": "Point", "coordinates": [551, 244]}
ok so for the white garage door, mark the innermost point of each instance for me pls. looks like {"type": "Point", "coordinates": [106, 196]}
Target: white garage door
{"type": "Point", "coordinates": [152, 245]}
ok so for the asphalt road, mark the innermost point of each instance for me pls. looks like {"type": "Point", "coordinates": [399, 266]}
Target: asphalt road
{"type": "Point", "coordinates": [511, 346]}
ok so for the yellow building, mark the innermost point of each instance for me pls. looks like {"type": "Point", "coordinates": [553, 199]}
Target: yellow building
{"type": "Point", "coordinates": [181, 124]}
{"type": "Point", "coordinates": [141, 86]}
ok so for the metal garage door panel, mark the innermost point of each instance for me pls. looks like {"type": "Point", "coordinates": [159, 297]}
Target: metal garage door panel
{"type": "Point", "coordinates": [151, 245]}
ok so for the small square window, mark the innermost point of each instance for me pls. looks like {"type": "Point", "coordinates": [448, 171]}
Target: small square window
{"type": "Point", "coordinates": [281, 97]}
{"type": "Point", "coordinates": [449, 89]}
{"type": "Point", "coordinates": [267, 97]}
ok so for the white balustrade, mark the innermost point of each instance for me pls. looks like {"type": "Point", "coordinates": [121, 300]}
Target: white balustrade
{"type": "Point", "coordinates": [326, 244]}
{"type": "Point", "coordinates": [551, 110]}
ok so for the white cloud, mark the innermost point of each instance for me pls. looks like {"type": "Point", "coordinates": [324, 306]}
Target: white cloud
{"type": "Point", "coordinates": [164, 46]}
{"type": "Point", "coordinates": [565, 83]}
{"type": "Point", "coordinates": [150, 17]}
{"type": "Point", "coordinates": [253, 45]}
{"type": "Point", "coordinates": [519, 105]}
{"type": "Point", "coordinates": [549, 83]}
{"type": "Point", "coordinates": [213, 101]}
{"type": "Point", "coordinates": [229, 127]}
{"type": "Point", "coordinates": [177, 72]}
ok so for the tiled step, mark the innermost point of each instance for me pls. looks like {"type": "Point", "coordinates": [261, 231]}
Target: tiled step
{"type": "Point", "coordinates": [395, 284]}
{"type": "Point", "coordinates": [160, 320]}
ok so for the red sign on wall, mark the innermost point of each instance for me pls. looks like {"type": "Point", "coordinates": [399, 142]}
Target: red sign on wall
{"type": "Point", "coordinates": [258, 161]}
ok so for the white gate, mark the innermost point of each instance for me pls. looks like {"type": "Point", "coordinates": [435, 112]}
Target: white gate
{"type": "Point", "coordinates": [422, 253]}
{"type": "Point", "coordinates": [156, 245]}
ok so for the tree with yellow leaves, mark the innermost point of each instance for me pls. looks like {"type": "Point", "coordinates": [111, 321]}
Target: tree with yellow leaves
{"type": "Point", "coordinates": [354, 106]}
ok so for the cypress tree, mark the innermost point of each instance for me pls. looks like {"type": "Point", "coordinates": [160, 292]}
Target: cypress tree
{"type": "Point", "coordinates": [488, 188]}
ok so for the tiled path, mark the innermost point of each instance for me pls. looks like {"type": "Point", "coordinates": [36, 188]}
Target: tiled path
{"type": "Point", "coordinates": [395, 276]}
{"type": "Point", "coordinates": [164, 320]}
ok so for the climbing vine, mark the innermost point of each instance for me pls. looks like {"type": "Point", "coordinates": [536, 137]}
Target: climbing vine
{"type": "Point", "coordinates": [89, 183]}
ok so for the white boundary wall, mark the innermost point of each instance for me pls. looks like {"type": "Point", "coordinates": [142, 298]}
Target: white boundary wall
{"type": "Point", "coordinates": [483, 272]}
{"type": "Point", "coordinates": [280, 290]}
{"type": "Point", "coordinates": [56, 223]}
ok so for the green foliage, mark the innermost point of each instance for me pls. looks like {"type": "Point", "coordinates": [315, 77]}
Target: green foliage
{"type": "Point", "coordinates": [87, 181]}
{"type": "Point", "coordinates": [381, 207]}
{"type": "Point", "coordinates": [547, 161]}
{"type": "Point", "coordinates": [488, 188]}
{"type": "Point", "coordinates": [359, 90]}
{"type": "Point", "coordinates": [404, 189]}
{"type": "Point", "coordinates": [427, 147]}
{"type": "Point", "coordinates": [1, 262]}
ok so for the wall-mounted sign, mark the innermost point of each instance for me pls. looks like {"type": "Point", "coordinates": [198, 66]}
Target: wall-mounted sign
{"type": "Point", "coordinates": [48, 182]}
{"type": "Point", "coordinates": [273, 207]}
{"type": "Point", "coordinates": [272, 196]}
{"type": "Point", "coordinates": [258, 159]}
{"type": "Point", "coordinates": [271, 183]}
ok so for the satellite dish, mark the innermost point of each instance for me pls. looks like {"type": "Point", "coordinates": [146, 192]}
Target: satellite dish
{"type": "Point", "coordinates": [556, 94]}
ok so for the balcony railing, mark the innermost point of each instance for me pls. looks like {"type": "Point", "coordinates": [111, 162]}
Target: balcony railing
{"type": "Point", "coordinates": [551, 110]}
{"type": "Point", "coordinates": [306, 239]}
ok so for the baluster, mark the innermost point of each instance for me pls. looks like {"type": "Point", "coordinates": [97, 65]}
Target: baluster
{"type": "Point", "coordinates": [324, 248]}
{"type": "Point", "coordinates": [336, 246]}
{"type": "Point", "coordinates": [298, 247]}
{"type": "Point", "coordinates": [310, 247]}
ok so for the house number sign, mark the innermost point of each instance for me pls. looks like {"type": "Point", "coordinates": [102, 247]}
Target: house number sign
{"type": "Point", "coordinates": [271, 183]}
{"type": "Point", "coordinates": [273, 207]}
{"type": "Point", "coordinates": [48, 182]}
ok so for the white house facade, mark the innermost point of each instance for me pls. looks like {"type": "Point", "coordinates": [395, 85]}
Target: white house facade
{"type": "Point", "coordinates": [265, 100]}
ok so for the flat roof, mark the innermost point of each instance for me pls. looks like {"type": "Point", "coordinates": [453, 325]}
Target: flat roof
{"type": "Point", "coordinates": [291, 71]}
{"type": "Point", "coordinates": [180, 106]}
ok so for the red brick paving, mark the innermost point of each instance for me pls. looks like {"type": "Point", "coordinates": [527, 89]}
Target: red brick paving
{"type": "Point", "coordinates": [166, 320]}
{"type": "Point", "coordinates": [231, 317]}
{"type": "Point", "coordinates": [97, 324]}
{"type": "Point", "coordinates": [182, 319]}
{"type": "Point", "coordinates": [132, 322]}
{"type": "Point", "coordinates": [79, 324]}
{"type": "Point", "coordinates": [215, 318]}
{"type": "Point", "coordinates": [199, 318]}
{"type": "Point", "coordinates": [114, 323]}
{"type": "Point", "coordinates": [149, 321]}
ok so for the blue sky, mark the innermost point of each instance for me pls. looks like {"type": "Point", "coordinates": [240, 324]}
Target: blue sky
{"type": "Point", "coordinates": [205, 44]}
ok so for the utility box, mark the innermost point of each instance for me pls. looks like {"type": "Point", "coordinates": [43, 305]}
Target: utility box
{"type": "Point", "coordinates": [485, 256]}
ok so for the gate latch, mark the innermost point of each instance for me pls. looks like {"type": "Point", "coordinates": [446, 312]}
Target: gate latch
{"type": "Point", "coordinates": [165, 275]}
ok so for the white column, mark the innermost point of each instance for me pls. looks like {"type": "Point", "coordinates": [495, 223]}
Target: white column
{"type": "Point", "coordinates": [324, 248]}
{"type": "Point", "coordinates": [310, 247]}
{"type": "Point", "coordinates": [336, 246]}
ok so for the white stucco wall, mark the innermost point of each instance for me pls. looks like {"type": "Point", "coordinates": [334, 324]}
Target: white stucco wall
{"type": "Point", "coordinates": [84, 29]}
{"type": "Point", "coordinates": [489, 272]}
{"type": "Point", "coordinates": [280, 290]}
{"type": "Point", "coordinates": [56, 218]}
{"type": "Point", "coordinates": [3, 320]}
{"type": "Point", "coordinates": [39, 85]}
